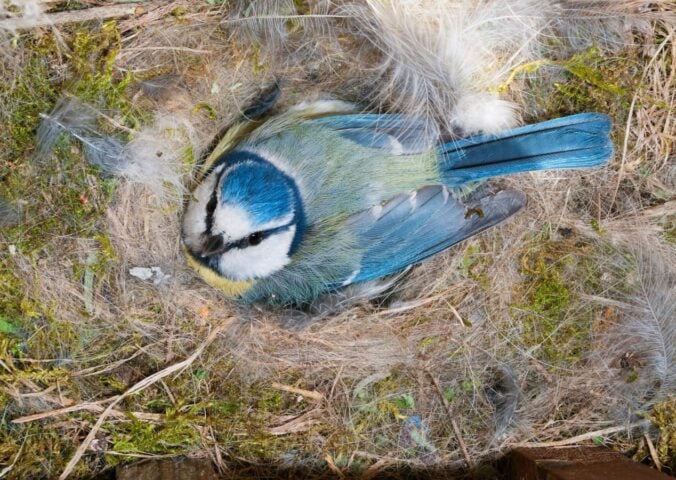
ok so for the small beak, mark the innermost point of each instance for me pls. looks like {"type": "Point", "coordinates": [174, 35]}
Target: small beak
{"type": "Point", "coordinates": [213, 245]}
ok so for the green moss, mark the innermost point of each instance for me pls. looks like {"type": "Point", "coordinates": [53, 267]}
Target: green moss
{"type": "Point", "coordinates": [270, 401]}
{"type": "Point", "coordinates": [377, 406]}
{"type": "Point", "coordinates": [11, 288]}
{"type": "Point", "coordinates": [179, 12]}
{"type": "Point", "coordinates": [663, 417]}
{"type": "Point", "coordinates": [552, 320]}
{"type": "Point", "coordinates": [669, 227]}
{"type": "Point", "coordinates": [30, 94]}
{"type": "Point", "coordinates": [404, 402]}
{"type": "Point", "coordinates": [257, 64]}
{"type": "Point", "coordinates": [174, 435]}
{"type": "Point", "coordinates": [225, 408]}
{"type": "Point", "coordinates": [96, 81]}
{"type": "Point", "coordinates": [475, 264]}
{"type": "Point", "coordinates": [43, 452]}
{"type": "Point", "coordinates": [467, 385]}
{"type": "Point", "coordinates": [62, 198]}
{"type": "Point", "coordinates": [302, 7]}
{"type": "Point", "coordinates": [593, 68]}
{"type": "Point", "coordinates": [595, 226]}
{"type": "Point", "coordinates": [428, 342]}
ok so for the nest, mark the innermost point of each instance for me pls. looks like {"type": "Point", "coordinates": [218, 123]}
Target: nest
{"type": "Point", "coordinates": [554, 328]}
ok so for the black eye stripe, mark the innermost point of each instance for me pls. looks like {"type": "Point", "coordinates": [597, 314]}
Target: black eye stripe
{"type": "Point", "coordinates": [211, 208]}
{"type": "Point", "coordinates": [258, 237]}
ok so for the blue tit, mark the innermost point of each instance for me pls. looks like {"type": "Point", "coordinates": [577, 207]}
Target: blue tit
{"type": "Point", "coordinates": [319, 197]}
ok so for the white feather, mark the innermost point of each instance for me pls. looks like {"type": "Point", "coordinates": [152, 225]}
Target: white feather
{"type": "Point", "coordinates": [29, 12]}
{"type": "Point", "coordinates": [153, 157]}
{"type": "Point", "coordinates": [444, 59]}
{"type": "Point", "coordinates": [477, 113]}
{"type": "Point", "coordinates": [234, 222]}
{"type": "Point", "coordinates": [646, 332]}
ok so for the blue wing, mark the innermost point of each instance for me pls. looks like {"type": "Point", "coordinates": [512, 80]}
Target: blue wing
{"type": "Point", "coordinates": [394, 133]}
{"type": "Point", "coordinates": [412, 227]}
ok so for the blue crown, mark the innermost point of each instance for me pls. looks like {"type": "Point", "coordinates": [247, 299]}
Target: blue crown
{"type": "Point", "coordinates": [263, 190]}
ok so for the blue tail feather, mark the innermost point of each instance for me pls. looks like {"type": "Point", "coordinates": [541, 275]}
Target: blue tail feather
{"type": "Point", "coordinates": [576, 141]}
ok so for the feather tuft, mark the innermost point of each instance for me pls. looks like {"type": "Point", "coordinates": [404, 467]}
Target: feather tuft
{"type": "Point", "coordinates": [15, 14]}
{"type": "Point", "coordinates": [150, 158]}
{"type": "Point", "coordinates": [641, 347]}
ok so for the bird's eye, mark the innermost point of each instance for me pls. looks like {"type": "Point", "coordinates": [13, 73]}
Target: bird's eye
{"type": "Point", "coordinates": [255, 238]}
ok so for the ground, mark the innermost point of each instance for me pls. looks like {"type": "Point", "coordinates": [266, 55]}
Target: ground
{"type": "Point", "coordinates": [557, 326]}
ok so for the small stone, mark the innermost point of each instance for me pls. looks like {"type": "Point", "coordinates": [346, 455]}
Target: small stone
{"type": "Point", "coordinates": [142, 273]}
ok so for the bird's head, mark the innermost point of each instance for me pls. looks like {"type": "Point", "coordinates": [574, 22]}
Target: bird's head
{"type": "Point", "coordinates": [245, 219]}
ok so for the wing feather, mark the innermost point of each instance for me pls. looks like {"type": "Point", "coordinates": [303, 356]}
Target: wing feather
{"type": "Point", "coordinates": [412, 227]}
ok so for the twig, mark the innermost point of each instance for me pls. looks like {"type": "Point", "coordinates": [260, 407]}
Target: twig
{"type": "Point", "coordinates": [258, 18]}
{"type": "Point", "coordinates": [139, 455]}
{"type": "Point", "coordinates": [585, 436]}
{"type": "Point", "coordinates": [220, 465]}
{"type": "Point", "coordinates": [333, 467]}
{"type": "Point", "coordinates": [71, 16]}
{"type": "Point", "coordinates": [627, 129]}
{"type": "Point", "coordinates": [9, 467]}
{"type": "Point", "coordinates": [457, 315]}
{"type": "Point", "coordinates": [311, 394]}
{"type": "Point", "coordinates": [97, 370]}
{"type": "Point", "coordinates": [5, 366]}
{"type": "Point", "coordinates": [139, 386]}
{"type": "Point", "coordinates": [154, 13]}
{"type": "Point", "coordinates": [653, 452]}
{"type": "Point", "coordinates": [94, 407]}
{"type": "Point", "coordinates": [335, 381]}
{"type": "Point", "coordinates": [38, 394]}
{"type": "Point", "coordinates": [443, 462]}
{"type": "Point", "coordinates": [166, 48]}
{"type": "Point", "coordinates": [409, 306]}
{"type": "Point", "coordinates": [90, 406]}
{"type": "Point", "coordinates": [456, 429]}
{"type": "Point", "coordinates": [301, 423]}
{"type": "Point", "coordinates": [377, 467]}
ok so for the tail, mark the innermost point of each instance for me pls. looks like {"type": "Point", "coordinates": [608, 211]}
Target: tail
{"type": "Point", "coordinates": [576, 141]}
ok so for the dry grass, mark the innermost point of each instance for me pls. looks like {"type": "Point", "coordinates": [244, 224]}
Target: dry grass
{"type": "Point", "coordinates": [553, 325]}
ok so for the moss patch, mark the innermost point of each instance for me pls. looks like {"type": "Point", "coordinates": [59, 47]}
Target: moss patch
{"type": "Point", "coordinates": [30, 94]}
{"type": "Point", "coordinates": [663, 417]}
{"type": "Point", "coordinates": [554, 323]}
{"type": "Point", "coordinates": [60, 200]}
{"type": "Point", "coordinates": [96, 81]}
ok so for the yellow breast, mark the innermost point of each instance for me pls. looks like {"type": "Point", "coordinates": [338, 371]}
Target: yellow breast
{"type": "Point", "coordinates": [231, 288]}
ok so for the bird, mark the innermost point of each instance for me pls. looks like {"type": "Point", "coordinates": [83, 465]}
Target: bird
{"type": "Point", "coordinates": [320, 197]}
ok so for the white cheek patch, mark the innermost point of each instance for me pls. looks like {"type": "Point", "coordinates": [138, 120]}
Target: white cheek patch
{"type": "Point", "coordinates": [260, 260]}
{"type": "Point", "coordinates": [232, 221]}
{"type": "Point", "coordinates": [236, 223]}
